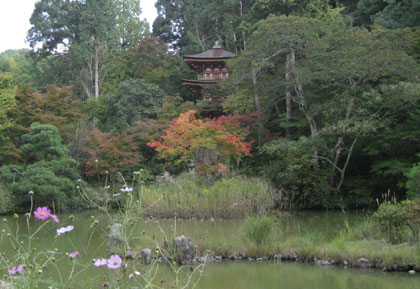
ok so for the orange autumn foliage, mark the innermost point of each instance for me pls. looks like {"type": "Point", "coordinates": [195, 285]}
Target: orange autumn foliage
{"type": "Point", "coordinates": [187, 133]}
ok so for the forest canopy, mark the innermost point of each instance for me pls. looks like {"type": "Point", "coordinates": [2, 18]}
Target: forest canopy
{"type": "Point", "coordinates": [322, 97]}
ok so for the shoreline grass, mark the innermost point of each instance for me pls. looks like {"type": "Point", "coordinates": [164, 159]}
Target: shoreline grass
{"type": "Point", "coordinates": [190, 196]}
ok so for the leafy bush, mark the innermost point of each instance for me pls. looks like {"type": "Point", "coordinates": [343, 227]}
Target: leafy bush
{"type": "Point", "coordinates": [396, 220]}
{"type": "Point", "coordinates": [53, 181]}
{"type": "Point", "coordinates": [413, 182]}
{"type": "Point", "coordinates": [258, 229]}
{"type": "Point", "coordinates": [291, 168]}
{"type": "Point", "coordinates": [111, 154]}
{"type": "Point", "coordinates": [50, 174]}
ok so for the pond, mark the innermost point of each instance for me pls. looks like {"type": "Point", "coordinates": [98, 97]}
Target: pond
{"type": "Point", "coordinates": [91, 243]}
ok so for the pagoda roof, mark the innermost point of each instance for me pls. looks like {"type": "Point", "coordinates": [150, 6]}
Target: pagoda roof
{"type": "Point", "coordinates": [217, 52]}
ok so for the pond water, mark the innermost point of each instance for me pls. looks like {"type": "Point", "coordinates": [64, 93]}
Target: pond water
{"type": "Point", "coordinates": [91, 243]}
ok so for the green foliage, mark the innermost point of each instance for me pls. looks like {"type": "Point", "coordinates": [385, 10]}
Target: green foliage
{"type": "Point", "coordinates": [9, 174]}
{"type": "Point", "coordinates": [291, 167]}
{"type": "Point", "coordinates": [258, 229]}
{"type": "Point", "coordinates": [19, 64]}
{"type": "Point", "coordinates": [388, 13]}
{"type": "Point", "coordinates": [134, 100]}
{"type": "Point", "coordinates": [396, 219]}
{"type": "Point", "coordinates": [413, 182]}
{"type": "Point", "coordinates": [53, 181]}
{"type": "Point", "coordinates": [7, 101]}
{"type": "Point", "coordinates": [50, 174]}
{"type": "Point", "coordinates": [43, 144]}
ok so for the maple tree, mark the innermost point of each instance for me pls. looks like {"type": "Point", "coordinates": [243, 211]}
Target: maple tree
{"type": "Point", "coordinates": [111, 153]}
{"type": "Point", "coordinates": [186, 134]}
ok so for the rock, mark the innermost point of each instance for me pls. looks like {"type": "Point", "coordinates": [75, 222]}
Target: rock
{"type": "Point", "coordinates": [146, 255]}
{"type": "Point", "coordinates": [326, 263]}
{"type": "Point", "coordinates": [260, 259]}
{"type": "Point", "coordinates": [184, 244]}
{"type": "Point", "coordinates": [345, 263]}
{"type": "Point", "coordinates": [364, 263]}
{"type": "Point", "coordinates": [116, 244]}
{"type": "Point", "coordinates": [250, 259]}
{"type": "Point", "coordinates": [412, 272]}
{"type": "Point", "coordinates": [184, 248]}
{"type": "Point", "coordinates": [218, 258]}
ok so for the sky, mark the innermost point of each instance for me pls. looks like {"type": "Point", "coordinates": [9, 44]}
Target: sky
{"type": "Point", "coordinates": [14, 21]}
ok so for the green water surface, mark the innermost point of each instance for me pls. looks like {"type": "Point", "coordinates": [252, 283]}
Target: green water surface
{"type": "Point", "coordinates": [91, 243]}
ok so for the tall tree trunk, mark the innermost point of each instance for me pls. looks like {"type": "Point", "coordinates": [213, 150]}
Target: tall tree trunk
{"type": "Point", "coordinates": [257, 106]}
{"type": "Point", "coordinates": [243, 32]}
{"type": "Point", "coordinates": [289, 64]}
{"type": "Point", "coordinates": [339, 149]}
{"type": "Point", "coordinates": [304, 107]}
{"type": "Point", "coordinates": [198, 36]}
{"type": "Point", "coordinates": [85, 86]}
{"type": "Point", "coordinates": [96, 70]}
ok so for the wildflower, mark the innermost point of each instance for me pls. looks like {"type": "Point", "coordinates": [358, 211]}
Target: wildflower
{"type": "Point", "coordinates": [126, 189]}
{"type": "Point", "coordinates": [73, 255]}
{"type": "Point", "coordinates": [114, 262]}
{"type": "Point", "coordinates": [137, 273]}
{"type": "Point", "coordinates": [100, 262]}
{"type": "Point", "coordinates": [16, 215]}
{"type": "Point", "coordinates": [196, 246]}
{"type": "Point", "coordinates": [116, 195]}
{"type": "Point", "coordinates": [71, 217]}
{"type": "Point", "coordinates": [64, 230]}
{"type": "Point", "coordinates": [107, 187]}
{"type": "Point", "coordinates": [17, 269]}
{"type": "Point", "coordinates": [55, 218]}
{"type": "Point", "coordinates": [42, 213]}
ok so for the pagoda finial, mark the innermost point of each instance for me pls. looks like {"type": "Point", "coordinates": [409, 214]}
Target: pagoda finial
{"type": "Point", "coordinates": [217, 44]}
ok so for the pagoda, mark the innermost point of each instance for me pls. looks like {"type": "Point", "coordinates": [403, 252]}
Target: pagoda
{"type": "Point", "coordinates": [211, 66]}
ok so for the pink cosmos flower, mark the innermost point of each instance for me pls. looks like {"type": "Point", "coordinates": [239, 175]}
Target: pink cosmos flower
{"type": "Point", "coordinates": [114, 262]}
{"type": "Point", "coordinates": [64, 230]}
{"type": "Point", "coordinates": [55, 218]}
{"type": "Point", "coordinates": [107, 187]}
{"type": "Point", "coordinates": [100, 262]}
{"type": "Point", "coordinates": [73, 255]}
{"type": "Point", "coordinates": [42, 213]}
{"type": "Point", "coordinates": [17, 269]}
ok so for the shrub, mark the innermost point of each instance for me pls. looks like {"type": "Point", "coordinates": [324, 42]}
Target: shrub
{"type": "Point", "coordinates": [258, 229]}
{"type": "Point", "coordinates": [50, 174]}
{"type": "Point", "coordinates": [396, 220]}
{"type": "Point", "coordinates": [413, 182]}
{"type": "Point", "coordinates": [6, 205]}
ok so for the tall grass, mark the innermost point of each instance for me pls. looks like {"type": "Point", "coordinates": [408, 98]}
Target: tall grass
{"type": "Point", "coordinates": [190, 196]}
{"type": "Point", "coordinates": [259, 229]}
